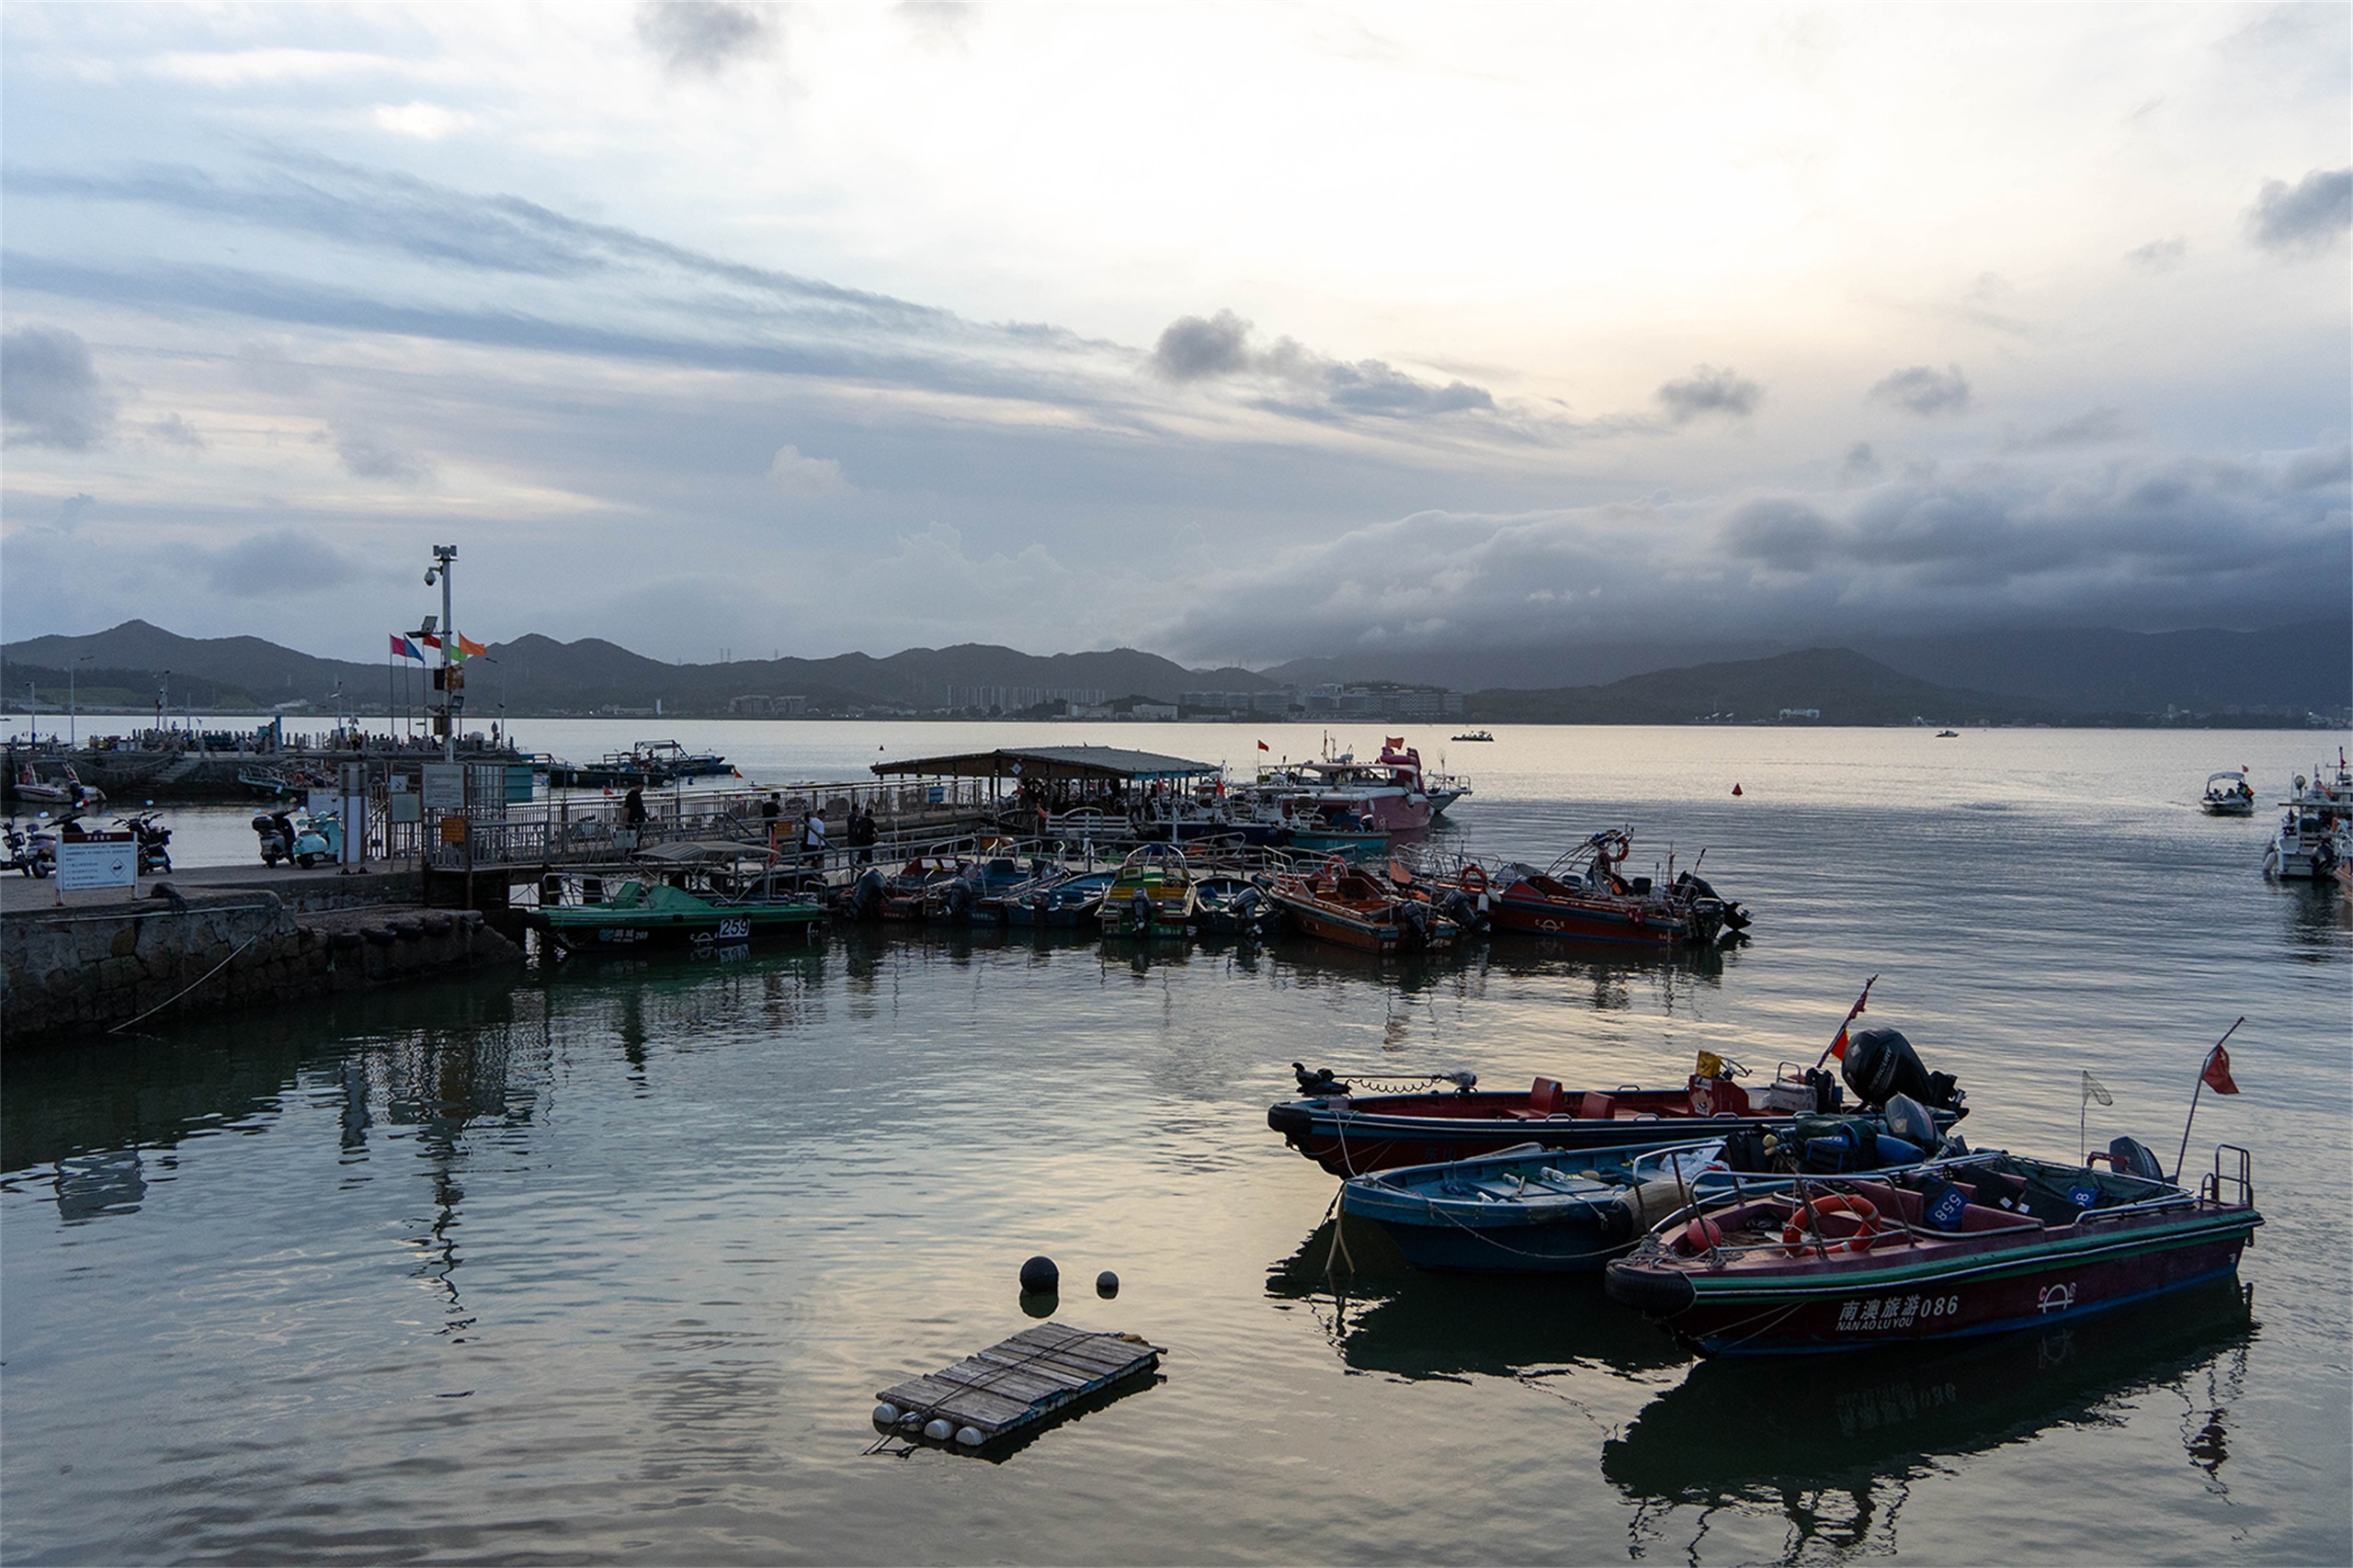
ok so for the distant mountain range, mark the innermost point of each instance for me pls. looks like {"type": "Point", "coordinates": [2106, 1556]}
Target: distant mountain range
{"type": "Point", "coordinates": [2274, 676]}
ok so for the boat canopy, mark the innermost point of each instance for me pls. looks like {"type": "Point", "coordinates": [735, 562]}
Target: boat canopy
{"type": "Point", "coordinates": [1054, 764]}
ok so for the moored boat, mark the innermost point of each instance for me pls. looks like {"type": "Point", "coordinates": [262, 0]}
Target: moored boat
{"type": "Point", "coordinates": [1982, 1243]}
{"type": "Point", "coordinates": [1150, 895]}
{"type": "Point", "coordinates": [2312, 838]}
{"type": "Point", "coordinates": [1349, 1134]}
{"type": "Point", "coordinates": [1533, 1209]}
{"type": "Point", "coordinates": [1343, 901]}
{"type": "Point", "coordinates": [1581, 897]}
{"type": "Point", "coordinates": [1062, 902]}
{"type": "Point", "coordinates": [638, 915]}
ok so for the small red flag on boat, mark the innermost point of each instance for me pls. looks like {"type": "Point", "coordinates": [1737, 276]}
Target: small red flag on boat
{"type": "Point", "coordinates": [1735, 789]}
{"type": "Point", "coordinates": [1838, 1045]}
{"type": "Point", "coordinates": [1264, 747]}
{"type": "Point", "coordinates": [2216, 1073]}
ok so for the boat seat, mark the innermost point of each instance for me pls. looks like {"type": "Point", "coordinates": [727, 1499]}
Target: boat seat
{"type": "Point", "coordinates": [1544, 1097]}
{"type": "Point", "coordinates": [1594, 1107]}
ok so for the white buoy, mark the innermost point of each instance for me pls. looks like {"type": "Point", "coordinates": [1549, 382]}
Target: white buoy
{"type": "Point", "coordinates": [886, 1414]}
{"type": "Point", "coordinates": [969, 1435]}
{"type": "Point", "coordinates": [939, 1430]}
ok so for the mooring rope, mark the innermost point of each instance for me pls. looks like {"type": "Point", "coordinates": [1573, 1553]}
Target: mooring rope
{"type": "Point", "coordinates": [208, 974]}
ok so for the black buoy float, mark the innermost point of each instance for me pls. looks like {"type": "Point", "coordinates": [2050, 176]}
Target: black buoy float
{"type": "Point", "coordinates": [1039, 1277]}
{"type": "Point", "coordinates": [1106, 1284]}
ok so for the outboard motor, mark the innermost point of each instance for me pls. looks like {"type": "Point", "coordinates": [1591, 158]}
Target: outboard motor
{"type": "Point", "coordinates": [2132, 1157]}
{"type": "Point", "coordinates": [1140, 910]}
{"type": "Point", "coordinates": [865, 898]}
{"type": "Point", "coordinates": [1882, 1062]}
{"type": "Point", "coordinates": [1909, 1120]}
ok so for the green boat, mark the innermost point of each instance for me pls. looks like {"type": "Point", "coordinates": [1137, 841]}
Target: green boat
{"type": "Point", "coordinates": [1152, 895]}
{"type": "Point", "coordinates": [637, 915]}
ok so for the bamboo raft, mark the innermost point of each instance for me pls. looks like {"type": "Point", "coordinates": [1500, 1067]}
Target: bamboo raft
{"type": "Point", "coordinates": [1012, 1386]}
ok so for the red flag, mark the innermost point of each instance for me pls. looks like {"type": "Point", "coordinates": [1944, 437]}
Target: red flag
{"type": "Point", "coordinates": [2216, 1073]}
{"type": "Point", "coordinates": [1838, 1045]}
{"type": "Point", "coordinates": [1263, 747]}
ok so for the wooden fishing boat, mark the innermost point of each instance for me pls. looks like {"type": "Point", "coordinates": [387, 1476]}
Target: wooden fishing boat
{"type": "Point", "coordinates": [1152, 894]}
{"type": "Point", "coordinates": [1342, 902]}
{"type": "Point", "coordinates": [1349, 1134]}
{"type": "Point", "coordinates": [1581, 897]}
{"type": "Point", "coordinates": [1533, 1209]}
{"type": "Point", "coordinates": [1984, 1244]}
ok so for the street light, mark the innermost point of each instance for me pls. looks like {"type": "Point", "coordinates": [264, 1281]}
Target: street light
{"type": "Point", "coordinates": [73, 737]}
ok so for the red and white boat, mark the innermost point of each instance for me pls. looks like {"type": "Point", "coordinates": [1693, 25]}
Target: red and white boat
{"type": "Point", "coordinates": [30, 785]}
{"type": "Point", "coordinates": [1390, 793]}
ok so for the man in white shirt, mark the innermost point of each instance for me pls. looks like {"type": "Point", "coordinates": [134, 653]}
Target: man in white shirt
{"type": "Point", "coordinates": [813, 839]}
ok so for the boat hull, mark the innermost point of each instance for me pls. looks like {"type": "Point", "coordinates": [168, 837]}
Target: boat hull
{"type": "Point", "coordinates": [1355, 1145]}
{"type": "Point", "coordinates": [1580, 924]}
{"type": "Point", "coordinates": [581, 931]}
{"type": "Point", "coordinates": [1581, 1242]}
{"type": "Point", "coordinates": [2052, 1281]}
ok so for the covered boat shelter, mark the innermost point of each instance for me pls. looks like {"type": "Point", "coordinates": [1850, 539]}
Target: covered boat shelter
{"type": "Point", "coordinates": [1064, 775]}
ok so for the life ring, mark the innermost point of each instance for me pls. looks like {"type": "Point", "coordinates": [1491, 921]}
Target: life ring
{"type": "Point", "coordinates": [1622, 843]}
{"type": "Point", "coordinates": [1473, 879]}
{"type": "Point", "coordinates": [1808, 1220]}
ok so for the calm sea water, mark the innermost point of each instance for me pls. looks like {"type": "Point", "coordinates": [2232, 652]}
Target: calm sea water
{"type": "Point", "coordinates": [608, 1263]}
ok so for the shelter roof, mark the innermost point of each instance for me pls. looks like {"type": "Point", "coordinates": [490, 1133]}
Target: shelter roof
{"type": "Point", "coordinates": [1051, 762]}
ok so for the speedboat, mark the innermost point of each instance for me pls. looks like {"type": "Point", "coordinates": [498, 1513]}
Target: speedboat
{"type": "Point", "coordinates": [2228, 795]}
{"type": "Point", "coordinates": [1342, 902]}
{"type": "Point", "coordinates": [1230, 905]}
{"type": "Point", "coordinates": [1978, 1244]}
{"type": "Point", "coordinates": [1581, 896]}
{"type": "Point", "coordinates": [1150, 895]}
{"type": "Point", "coordinates": [1060, 900]}
{"type": "Point", "coordinates": [2312, 836]}
{"type": "Point", "coordinates": [1533, 1209]}
{"type": "Point", "coordinates": [1445, 1118]}
{"type": "Point", "coordinates": [1475, 736]}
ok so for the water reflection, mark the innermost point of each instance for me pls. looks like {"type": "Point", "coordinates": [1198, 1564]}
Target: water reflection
{"type": "Point", "coordinates": [1383, 1315]}
{"type": "Point", "coordinates": [90, 1184]}
{"type": "Point", "coordinates": [1834, 1443]}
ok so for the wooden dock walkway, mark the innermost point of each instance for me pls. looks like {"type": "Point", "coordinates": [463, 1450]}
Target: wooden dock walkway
{"type": "Point", "coordinates": [1012, 1385]}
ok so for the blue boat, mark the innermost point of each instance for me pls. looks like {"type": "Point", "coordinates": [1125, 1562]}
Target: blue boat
{"type": "Point", "coordinates": [1533, 1209]}
{"type": "Point", "coordinates": [1071, 902]}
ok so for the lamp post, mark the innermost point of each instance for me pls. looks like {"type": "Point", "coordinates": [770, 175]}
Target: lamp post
{"type": "Point", "coordinates": [73, 708]}
{"type": "Point", "coordinates": [445, 563]}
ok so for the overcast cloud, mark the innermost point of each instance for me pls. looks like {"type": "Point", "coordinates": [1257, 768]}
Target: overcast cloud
{"type": "Point", "coordinates": [832, 326]}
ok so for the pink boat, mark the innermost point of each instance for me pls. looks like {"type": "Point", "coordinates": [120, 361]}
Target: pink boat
{"type": "Point", "coordinates": [1388, 793]}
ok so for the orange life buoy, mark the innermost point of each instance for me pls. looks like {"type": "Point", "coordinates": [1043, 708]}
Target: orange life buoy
{"type": "Point", "coordinates": [1474, 879]}
{"type": "Point", "coordinates": [1808, 1220]}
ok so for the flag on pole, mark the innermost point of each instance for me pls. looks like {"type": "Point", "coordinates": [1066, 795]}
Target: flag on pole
{"type": "Point", "coordinates": [426, 639]}
{"type": "Point", "coordinates": [1838, 1045]}
{"type": "Point", "coordinates": [2216, 1073]}
{"type": "Point", "coordinates": [1264, 747]}
{"type": "Point", "coordinates": [469, 649]}
{"type": "Point", "coordinates": [2094, 1090]}
{"type": "Point", "coordinates": [404, 649]}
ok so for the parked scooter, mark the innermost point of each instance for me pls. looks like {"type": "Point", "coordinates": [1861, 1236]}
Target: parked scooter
{"type": "Point", "coordinates": [300, 836]}
{"type": "Point", "coordinates": [152, 837]}
{"type": "Point", "coordinates": [29, 852]}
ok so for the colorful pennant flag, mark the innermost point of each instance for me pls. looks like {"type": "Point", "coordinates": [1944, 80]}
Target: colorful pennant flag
{"type": "Point", "coordinates": [1264, 747]}
{"type": "Point", "coordinates": [2216, 1073]}
{"type": "Point", "coordinates": [404, 649]}
{"type": "Point", "coordinates": [1838, 1045]}
{"type": "Point", "coordinates": [469, 649]}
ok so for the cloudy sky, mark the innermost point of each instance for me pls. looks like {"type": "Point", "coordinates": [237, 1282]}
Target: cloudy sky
{"type": "Point", "coordinates": [1231, 332]}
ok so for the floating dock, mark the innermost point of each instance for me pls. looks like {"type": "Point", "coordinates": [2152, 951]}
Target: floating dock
{"type": "Point", "coordinates": [1012, 1386]}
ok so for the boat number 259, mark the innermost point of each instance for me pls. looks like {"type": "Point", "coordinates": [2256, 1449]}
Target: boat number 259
{"type": "Point", "coordinates": [735, 927]}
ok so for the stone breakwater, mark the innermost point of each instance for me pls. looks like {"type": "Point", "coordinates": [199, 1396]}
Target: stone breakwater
{"type": "Point", "coordinates": [80, 970]}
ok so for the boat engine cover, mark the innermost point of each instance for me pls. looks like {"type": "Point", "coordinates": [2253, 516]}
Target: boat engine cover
{"type": "Point", "coordinates": [1909, 1120]}
{"type": "Point", "coordinates": [1882, 1062]}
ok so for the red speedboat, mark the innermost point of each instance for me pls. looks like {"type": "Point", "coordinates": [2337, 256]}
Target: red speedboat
{"type": "Point", "coordinates": [1977, 1244]}
{"type": "Point", "coordinates": [1344, 903]}
{"type": "Point", "coordinates": [1581, 896]}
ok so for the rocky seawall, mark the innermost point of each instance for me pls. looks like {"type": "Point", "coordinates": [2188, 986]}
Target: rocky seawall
{"type": "Point", "coordinates": [77, 971]}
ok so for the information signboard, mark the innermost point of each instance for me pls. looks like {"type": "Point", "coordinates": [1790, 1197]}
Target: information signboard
{"type": "Point", "coordinates": [445, 787]}
{"type": "Point", "coordinates": [101, 864]}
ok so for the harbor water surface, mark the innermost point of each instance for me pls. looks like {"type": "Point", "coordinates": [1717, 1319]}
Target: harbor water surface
{"type": "Point", "coordinates": [606, 1262]}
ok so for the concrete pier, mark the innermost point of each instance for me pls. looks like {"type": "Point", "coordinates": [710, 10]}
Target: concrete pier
{"type": "Point", "coordinates": [86, 968]}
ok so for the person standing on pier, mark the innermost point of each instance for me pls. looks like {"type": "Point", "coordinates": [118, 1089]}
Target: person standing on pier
{"type": "Point", "coordinates": [813, 839]}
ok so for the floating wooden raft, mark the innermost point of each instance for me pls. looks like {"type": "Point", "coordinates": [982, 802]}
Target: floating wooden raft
{"type": "Point", "coordinates": [1017, 1382]}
